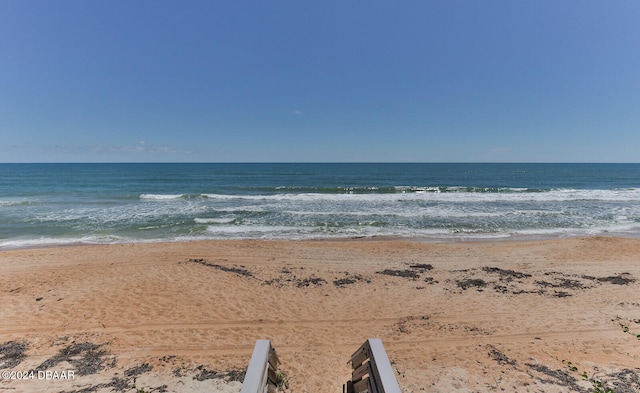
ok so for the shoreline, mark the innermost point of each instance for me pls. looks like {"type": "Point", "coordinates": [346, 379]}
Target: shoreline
{"type": "Point", "coordinates": [454, 317]}
{"type": "Point", "coordinates": [418, 239]}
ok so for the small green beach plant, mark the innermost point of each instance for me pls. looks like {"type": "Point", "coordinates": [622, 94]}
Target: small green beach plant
{"type": "Point", "coordinates": [626, 329]}
{"type": "Point", "coordinates": [597, 384]}
{"type": "Point", "coordinates": [282, 381]}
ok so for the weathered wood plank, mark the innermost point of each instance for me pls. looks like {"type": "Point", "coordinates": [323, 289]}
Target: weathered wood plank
{"type": "Point", "coordinates": [348, 387]}
{"type": "Point", "coordinates": [272, 376]}
{"type": "Point", "coordinates": [360, 355]}
{"type": "Point", "coordinates": [255, 380]}
{"type": "Point", "coordinates": [381, 366]}
{"type": "Point", "coordinates": [371, 369]}
{"type": "Point", "coordinates": [273, 359]}
{"type": "Point", "coordinates": [360, 372]}
{"type": "Point", "coordinates": [362, 386]}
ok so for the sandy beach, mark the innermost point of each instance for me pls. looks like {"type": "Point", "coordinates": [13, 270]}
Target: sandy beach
{"type": "Point", "coordinates": [530, 316]}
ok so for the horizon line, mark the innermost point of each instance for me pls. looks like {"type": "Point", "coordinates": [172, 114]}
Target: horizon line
{"type": "Point", "coordinates": [319, 162]}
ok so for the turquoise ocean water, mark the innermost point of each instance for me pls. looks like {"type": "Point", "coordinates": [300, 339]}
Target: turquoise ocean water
{"type": "Point", "coordinates": [50, 204]}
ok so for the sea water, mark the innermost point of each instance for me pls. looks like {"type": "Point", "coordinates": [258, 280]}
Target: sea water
{"type": "Point", "coordinates": [50, 204]}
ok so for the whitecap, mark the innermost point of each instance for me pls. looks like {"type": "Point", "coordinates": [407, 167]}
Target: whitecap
{"type": "Point", "coordinates": [213, 220]}
{"type": "Point", "coordinates": [161, 197]}
{"type": "Point", "coordinates": [15, 202]}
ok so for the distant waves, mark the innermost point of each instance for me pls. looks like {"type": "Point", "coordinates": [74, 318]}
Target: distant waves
{"type": "Point", "coordinates": [102, 203]}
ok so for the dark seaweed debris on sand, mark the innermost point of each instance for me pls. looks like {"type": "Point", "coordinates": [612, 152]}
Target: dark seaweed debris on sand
{"type": "Point", "coordinates": [128, 382]}
{"type": "Point", "coordinates": [621, 279]}
{"type": "Point", "coordinates": [311, 281]}
{"type": "Point", "coordinates": [500, 357]}
{"type": "Point", "coordinates": [87, 358]}
{"type": "Point", "coordinates": [412, 273]}
{"type": "Point", "coordinates": [295, 276]}
{"type": "Point", "coordinates": [241, 271]}
{"type": "Point", "coordinates": [400, 273]}
{"type": "Point", "coordinates": [554, 284]}
{"type": "Point", "coordinates": [12, 353]}
{"type": "Point", "coordinates": [421, 267]}
{"type": "Point", "coordinates": [349, 279]}
{"type": "Point", "coordinates": [471, 282]}
{"type": "Point", "coordinates": [204, 374]}
{"type": "Point", "coordinates": [506, 274]}
{"type": "Point", "coordinates": [134, 371]}
{"type": "Point", "coordinates": [557, 377]}
{"type": "Point", "coordinates": [625, 381]}
{"type": "Point", "coordinates": [231, 375]}
{"type": "Point", "coordinates": [116, 384]}
{"type": "Point", "coordinates": [235, 375]}
{"type": "Point", "coordinates": [342, 282]}
{"type": "Point", "coordinates": [562, 283]}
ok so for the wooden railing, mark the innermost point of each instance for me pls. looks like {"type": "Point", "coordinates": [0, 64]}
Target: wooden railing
{"type": "Point", "coordinates": [372, 372]}
{"type": "Point", "coordinates": [261, 373]}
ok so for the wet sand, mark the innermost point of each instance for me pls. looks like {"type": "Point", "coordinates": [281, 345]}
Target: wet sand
{"type": "Point", "coordinates": [529, 316]}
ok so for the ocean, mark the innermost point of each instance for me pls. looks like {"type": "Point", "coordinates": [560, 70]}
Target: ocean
{"type": "Point", "coordinates": [54, 204]}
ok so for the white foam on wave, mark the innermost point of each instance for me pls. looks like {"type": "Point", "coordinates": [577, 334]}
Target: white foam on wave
{"type": "Point", "coordinates": [214, 220]}
{"type": "Point", "coordinates": [119, 214]}
{"type": "Point", "coordinates": [558, 195]}
{"type": "Point", "coordinates": [297, 196]}
{"type": "Point", "coordinates": [247, 208]}
{"type": "Point", "coordinates": [256, 231]}
{"type": "Point", "coordinates": [453, 194]}
{"type": "Point", "coordinates": [10, 202]}
{"type": "Point", "coordinates": [363, 231]}
{"type": "Point", "coordinates": [51, 241]}
{"type": "Point", "coordinates": [161, 197]}
{"type": "Point", "coordinates": [451, 213]}
{"type": "Point", "coordinates": [253, 228]}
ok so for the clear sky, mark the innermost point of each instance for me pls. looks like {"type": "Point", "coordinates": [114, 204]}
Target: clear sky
{"type": "Point", "coordinates": [343, 80]}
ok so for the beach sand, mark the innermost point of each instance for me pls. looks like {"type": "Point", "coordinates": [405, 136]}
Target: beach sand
{"type": "Point", "coordinates": [528, 316]}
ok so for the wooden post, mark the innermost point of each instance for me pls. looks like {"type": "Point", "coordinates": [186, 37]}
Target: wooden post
{"type": "Point", "coordinates": [260, 376]}
{"type": "Point", "coordinates": [371, 370]}
{"type": "Point", "coordinates": [382, 367]}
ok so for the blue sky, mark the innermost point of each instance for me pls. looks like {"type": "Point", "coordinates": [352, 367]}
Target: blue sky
{"type": "Point", "coordinates": [373, 81]}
